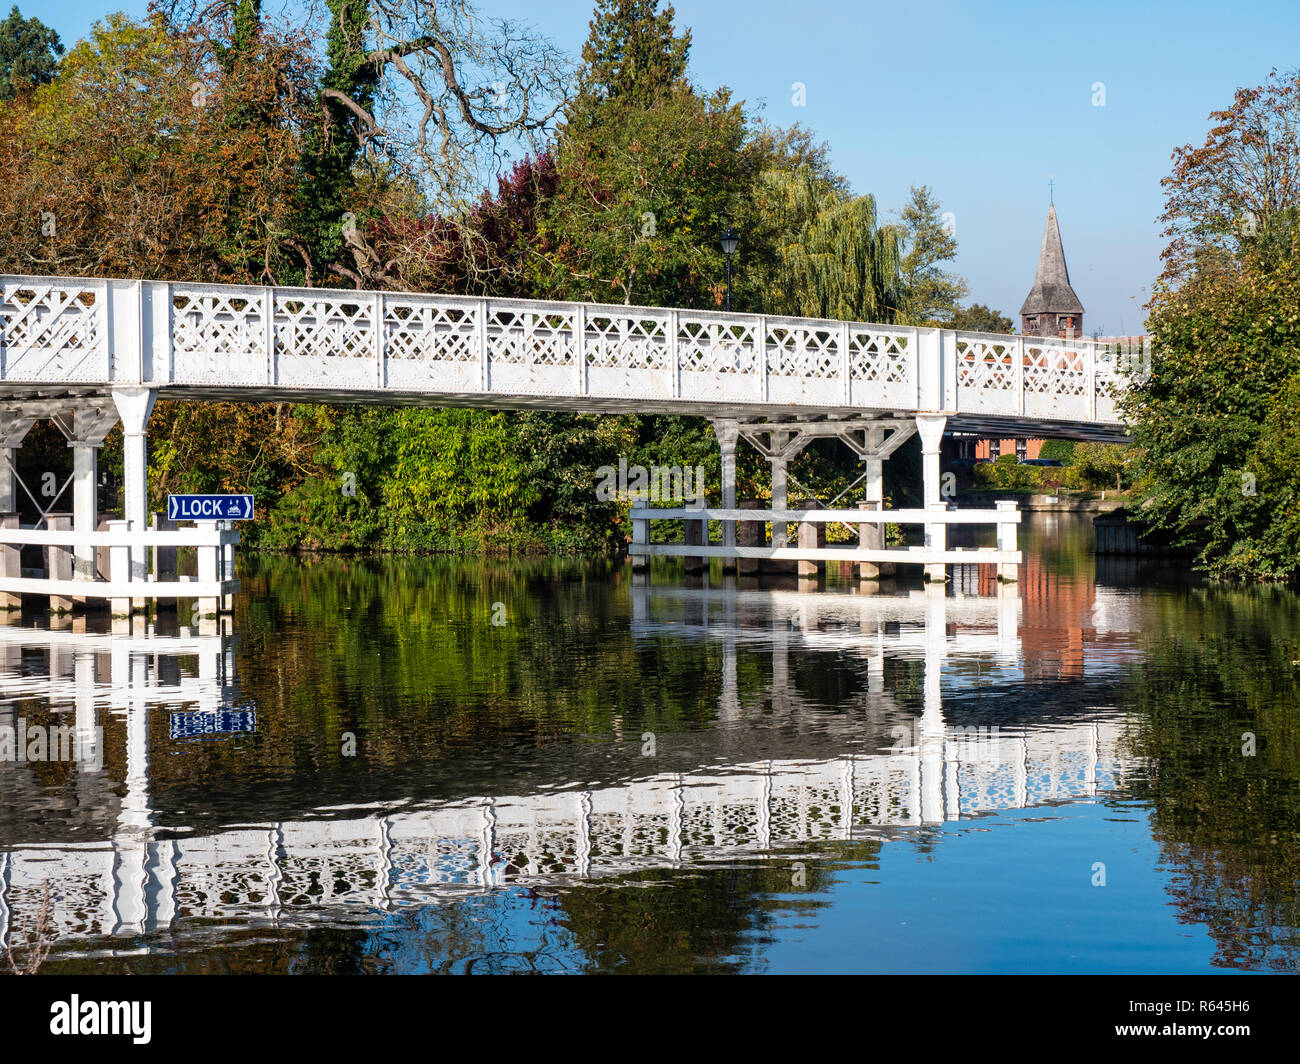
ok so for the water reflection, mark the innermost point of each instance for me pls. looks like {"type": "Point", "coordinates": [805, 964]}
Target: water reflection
{"type": "Point", "coordinates": [720, 802]}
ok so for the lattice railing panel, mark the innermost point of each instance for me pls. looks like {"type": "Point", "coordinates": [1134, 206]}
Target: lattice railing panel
{"type": "Point", "coordinates": [880, 357]}
{"type": "Point", "coordinates": [627, 342]}
{"type": "Point", "coordinates": [1056, 369]}
{"type": "Point", "coordinates": [218, 334]}
{"type": "Point", "coordinates": [532, 337]}
{"type": "Point", "coordinates": [706, 345]}
{"type": "Point", "coordinates": [324, 327]}
{"type": "Point", "coordinates": [987, 364]}
{"type": "Point", "coordinates": [429, 332]}
{"type": "Point", "coordinates": [803, 351]}
{"type": "Point", "coordinates": [53, 331]}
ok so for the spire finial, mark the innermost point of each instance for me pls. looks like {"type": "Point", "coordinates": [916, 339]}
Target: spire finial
{"type": "Point", "coordinates": [1051, 190]}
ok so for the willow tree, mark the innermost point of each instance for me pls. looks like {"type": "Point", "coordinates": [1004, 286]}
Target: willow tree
{"type": "Point", "coordinates": [829, 255]}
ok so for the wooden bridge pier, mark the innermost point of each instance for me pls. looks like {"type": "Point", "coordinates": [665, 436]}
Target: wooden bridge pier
{"type": "Point", "coordinates": [743, 547]}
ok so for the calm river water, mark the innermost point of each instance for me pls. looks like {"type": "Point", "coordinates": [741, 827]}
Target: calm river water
{"type": "Point", "coordinates": [448, 765]}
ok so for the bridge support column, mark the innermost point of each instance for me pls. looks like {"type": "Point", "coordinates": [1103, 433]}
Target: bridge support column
{"type": "Point", "coordinates": [930, 427]}
{"type": "Point", "coordinates": [874, 442]}
{"type": "Point", "coordinates": [84, 427]}
{"type": "Point", "coordinates": [728, 433]}
{"type": "Point", "coordinates": [873, 535]}
{"type": "Point", "coordinates": [134, 405]}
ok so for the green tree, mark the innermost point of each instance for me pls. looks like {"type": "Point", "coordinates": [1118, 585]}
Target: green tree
{"type": "Point", "coordinates": [1213, 418]}
{"type": "Point", "coordinates": [930, 294]}
{"type": "Point", "coordinates": [29, 53]}
{"type": "Point", "coordinates": [641, 198]}
{"type": "Point", "coordinates": [980, 318]}
{"type": "Point", "coordinates": [633, 55]}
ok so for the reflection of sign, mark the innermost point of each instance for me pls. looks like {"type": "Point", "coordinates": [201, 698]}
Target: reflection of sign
{"type": "Point", "coordinates": [209, 507]}
{"type": "Point", "coordinates": [196, 724]}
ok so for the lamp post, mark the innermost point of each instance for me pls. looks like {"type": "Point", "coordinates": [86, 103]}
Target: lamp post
{"type": "Point", "coordinates": [730, 240]}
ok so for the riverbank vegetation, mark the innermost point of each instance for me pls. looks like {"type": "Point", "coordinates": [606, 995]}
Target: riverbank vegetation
{"type": "Point", "coordinates": [224, 143]}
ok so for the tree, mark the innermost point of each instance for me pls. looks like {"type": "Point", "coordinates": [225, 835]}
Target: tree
{"type": "Point", "coordinates": [1241, 186]}
{"type": "Point", "coordinates": [29, 54]}
{"type": "Point", "coordinates": [633, 55]}
{"type": "Point", "coordinates": [640, 201]}
{"type": "Point", "coordinates": [980, 318]}
{"type": "Point", "coordinates": [138, 159]}
{"type": "Point", "coordinates": [930, 294]}
{"type": "Point", "coordinates": [1213, 420]}
{"type": "Point", "coordinates": [648, 169]}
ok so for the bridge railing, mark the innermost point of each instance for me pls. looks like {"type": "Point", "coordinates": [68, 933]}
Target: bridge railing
{"type": "Point", "coordinates": [60, 330]}
{"type": "Point", "coordinates": [113, 564]}
{"type": "Point", "coordinates": [811, 546]}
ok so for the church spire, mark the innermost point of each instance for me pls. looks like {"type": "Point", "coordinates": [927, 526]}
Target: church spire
{"type": "Point", "coordinates": [1051, 308]}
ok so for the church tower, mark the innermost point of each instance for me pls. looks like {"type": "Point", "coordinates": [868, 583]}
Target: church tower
{"type": "Point", "coordinates": [1052, 308]}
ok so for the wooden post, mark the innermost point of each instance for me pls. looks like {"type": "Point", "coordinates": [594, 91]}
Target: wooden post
{"type": "Point", "coordinates": [1007, 571]}
{"type": "Point", "coordinates": [58, 559]}
{"type": "Point", "coordinates": [697, 535]}
{"type": "Point", "coordinates": [640, 536]}
{"type": "Point", "coordinates": [10, 562]}
{"type": "Point", "coordinates": [209, 571]}
{"type": "Point", "coordinates": [164, 558]}
{"type": "Point", "coordinates": [811, 536]}
{"type": "Point", "coordinates": [119, 572]}
{"type": "Point", "coordinates": [871, 536]}
{"type": "Point", "coordinates": [750, 534]}
{"type": "Point", "coordinates": [936, 539]}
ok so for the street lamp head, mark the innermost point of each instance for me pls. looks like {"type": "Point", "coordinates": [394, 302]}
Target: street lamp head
{"type": "Point", "coordinates": [730, 240]}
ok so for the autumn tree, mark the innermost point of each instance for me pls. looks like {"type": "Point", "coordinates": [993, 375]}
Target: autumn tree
{"type": "Point", "coordinates": [1241, 187]}
{"type": "Point", "coordinates": [129, 163]}
{"type": "Point", "coordinates": [1213, 418]}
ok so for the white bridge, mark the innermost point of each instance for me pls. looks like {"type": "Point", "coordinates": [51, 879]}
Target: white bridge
{"type": "Point", "coordinates": [85, 352]}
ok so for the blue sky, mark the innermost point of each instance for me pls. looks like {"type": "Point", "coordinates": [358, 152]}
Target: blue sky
{"type": "Point", "coordinates": [981, 101]}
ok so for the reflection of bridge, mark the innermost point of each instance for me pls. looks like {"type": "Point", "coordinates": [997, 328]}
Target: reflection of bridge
{"type": "Point", "coordinates": [85, 353]}
{"type": "Point", "coordinates": [136, 880]}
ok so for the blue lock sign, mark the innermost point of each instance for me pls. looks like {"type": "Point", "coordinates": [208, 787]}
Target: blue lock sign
{"type": "Point", "coordinates": [209, 507]}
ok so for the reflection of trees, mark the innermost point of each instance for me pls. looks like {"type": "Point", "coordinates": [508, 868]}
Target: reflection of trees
{"type": "Point", "coordinates": [708, 919]}
{"type": "Point", "coordinates": [1220, 664]}
{"type": "Point", "coordinates": [405, 655]}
